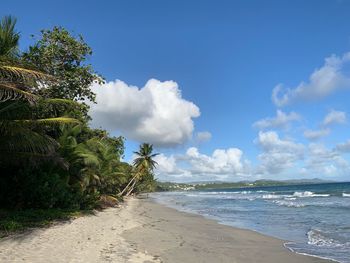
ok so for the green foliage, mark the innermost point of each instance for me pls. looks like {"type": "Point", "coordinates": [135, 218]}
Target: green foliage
{"type": "Point", "coordinates": [142, 170]}
{"type": "Point", "coordinates": [64, 56]}
{"type": "Point", "coordinates": [23, 134]}
{"type": "Point", "coordinates": [8, 36]}
{"type": "Point", "coordinates": [144, 159]}
{"type": "Point", "coordinates": [146, 184]}
{"type": "Point", "coordinates": [95, 161]}
{"type": "Point", "coordinates": [49, 158]}
{"type": "Point", "coordinates": [34, 188]}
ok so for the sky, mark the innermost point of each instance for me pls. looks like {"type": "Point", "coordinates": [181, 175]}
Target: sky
{"type": "Point", "coordinates": [224, 90]}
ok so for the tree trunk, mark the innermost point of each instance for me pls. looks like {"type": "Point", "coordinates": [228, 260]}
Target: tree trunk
{"type": "Point", "coordinates": [131, 188]}
{"type": "Point", "coordinates": [127, 186]}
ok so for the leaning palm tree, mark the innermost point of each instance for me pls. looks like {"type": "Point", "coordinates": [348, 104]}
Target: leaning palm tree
{"type": "Point", "coordinates": [143, 164]}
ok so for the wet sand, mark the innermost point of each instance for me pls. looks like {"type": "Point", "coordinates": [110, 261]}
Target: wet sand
{"type": "Point", "coordinates": [175, 236]}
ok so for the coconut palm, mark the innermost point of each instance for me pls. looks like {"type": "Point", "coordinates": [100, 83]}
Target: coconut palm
{"type": "Point", "coordinates": [23, 133]}
{"type": "Point", "coordinates": [143, 164]}
{"type": "Point", "coordinates": [145, 158]}
{"type": "Point", "coordinates": [95, 163]}
{"type": "Point", "coordinates": [8, 37]}
{"type": "Point", "coordinates": [14, 77]}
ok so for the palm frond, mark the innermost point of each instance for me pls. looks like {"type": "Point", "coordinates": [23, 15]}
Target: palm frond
{"type": "Point", "coordinates": [8, 36]}
{"type": "Point", "coordinates": [27, 141]}
{"type": "Point", "coordinates": [9, 91]}
{"type": "Point", "coordinates": [49, 121]}
{"type": "Point", "coordinates": [21, 74]}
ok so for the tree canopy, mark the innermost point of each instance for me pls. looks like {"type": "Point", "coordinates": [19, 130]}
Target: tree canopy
{"type": "Point", "coordinates": [49, 156]}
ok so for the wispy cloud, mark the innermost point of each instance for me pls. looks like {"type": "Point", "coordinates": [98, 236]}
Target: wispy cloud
{"type": "Point", "coordinates": [316, 134]}
{"type": "Point", "coordinates": [334, 117]}
{"type": "Point", "coordinates": [322, 82]}
{"type": "Point", "coordinates": [202, 137]}
{"type": "Point", "coordinates": [281, 120]}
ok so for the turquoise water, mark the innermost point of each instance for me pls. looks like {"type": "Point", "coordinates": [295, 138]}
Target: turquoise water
{"type": "Point", "coordinates": [315, 219]}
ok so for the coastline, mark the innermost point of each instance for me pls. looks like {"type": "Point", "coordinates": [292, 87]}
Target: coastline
{"type": "Point", "coordinates": [145, 231]}
{"type": "Point", "coordinates": [176, 236]}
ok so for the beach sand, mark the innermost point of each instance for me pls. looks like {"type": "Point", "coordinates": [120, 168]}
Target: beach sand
{"type": "Point", "coordinates": [93, 238]}
{"type": "Point", "coordinates": [144, 231]}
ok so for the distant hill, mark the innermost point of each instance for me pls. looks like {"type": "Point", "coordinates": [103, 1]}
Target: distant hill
{"type": "Point", "coordinates": [169, 186]}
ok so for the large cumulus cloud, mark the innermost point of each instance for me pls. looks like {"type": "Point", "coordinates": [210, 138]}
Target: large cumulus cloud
{"type": "Point", "coordinates": [155, 113]}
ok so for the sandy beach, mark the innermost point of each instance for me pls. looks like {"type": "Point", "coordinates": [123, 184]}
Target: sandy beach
{"type": "Point", "coordinates": [144, 231]}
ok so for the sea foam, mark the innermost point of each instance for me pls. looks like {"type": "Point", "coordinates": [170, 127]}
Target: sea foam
{"type": "Point", "coordinates": [309, 194]}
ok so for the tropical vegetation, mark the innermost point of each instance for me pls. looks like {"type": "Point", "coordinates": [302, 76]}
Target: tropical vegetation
{"type": "Point", "coordinates": [51, 160]}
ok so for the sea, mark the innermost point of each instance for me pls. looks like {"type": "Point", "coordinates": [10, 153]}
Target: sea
{"type": "Point", "coordinates": [313, 219]}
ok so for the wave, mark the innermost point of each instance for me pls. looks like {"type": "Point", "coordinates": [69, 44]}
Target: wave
{"type": "Point", "coordinates": [223, 192]}
{"type": "Point", "coordinates": [192, 195]}
{"type": "Point", "coordinates": [291, 198]}
{"type": "Point", "coordinates": [272, 196]}
{"type": "Point", "coordinates": [346, 195]}
{"type": "Point", "coordinates": [318, 238]}
{"type": "Point", "coordinates": [309, 194]}
{"type": "Point", "coordinates": [288, 203]}
{"type": "Point", "coordinates": [215, 193]}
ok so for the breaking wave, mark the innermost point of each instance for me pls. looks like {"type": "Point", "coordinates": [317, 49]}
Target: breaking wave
{"type": "Point", "coordinates": [309, 194]}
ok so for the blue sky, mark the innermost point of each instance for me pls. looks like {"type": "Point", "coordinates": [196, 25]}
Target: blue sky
{"type": "Point", "coordinates": [211, 68]}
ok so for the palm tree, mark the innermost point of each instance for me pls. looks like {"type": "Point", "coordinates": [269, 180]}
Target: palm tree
{"type": "Point", "coordinates": [95, 164]}
{"type": "Point", "coordinates": [8, 36]}
{"type": "Point", "coordinates": [144, 159]}
{"type": "Point", "coordinates": [23, 133]}
{"type": "Point", "coordinates": [143, 164]}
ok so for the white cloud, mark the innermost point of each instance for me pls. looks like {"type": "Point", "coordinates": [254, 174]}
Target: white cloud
{"type": "Point", "coordinates": [156, 113]}
{"type": "Point", "coordinates": [334, 117]}
{"type": "Point", "coordinates": [316, 134]}
{"type": "Point", "coordinates": [285, 157]}
{"type": "Point", "coordinates": [324, 162]}
{"type": "Point", "coordinates": [323, 81]}
{"type": "Point", "coordinates": [222, 164]}
{"type": "Point", "coordinates": [277, 154]}
{"type": "Point", "coordinates": [202, 137]}
{"type": "Point", "coordinates": [167, 165]}
{"type": "Point", "coordinates": [280, 158]}
{"type": "Point", "coordinates": [280, 121]}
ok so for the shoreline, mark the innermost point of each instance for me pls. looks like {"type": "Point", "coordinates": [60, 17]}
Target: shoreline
{"type": "Point", "coordinates": [306, 254]}
{"type": "Point", "coordinates": [145, 231]}
{"type": "Point", "coordinates": [285, 242]}
{"type": "Point", "coordinates": [176, 236]}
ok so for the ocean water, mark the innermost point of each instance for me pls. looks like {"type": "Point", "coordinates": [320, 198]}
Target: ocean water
{"type": "Point", "coordinates": [314, 219]}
